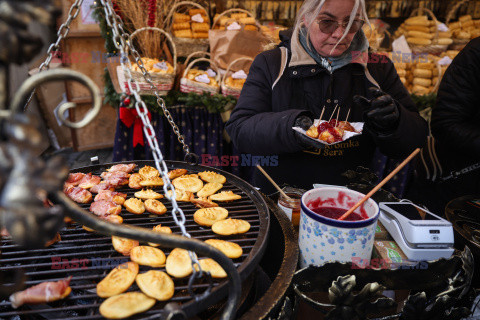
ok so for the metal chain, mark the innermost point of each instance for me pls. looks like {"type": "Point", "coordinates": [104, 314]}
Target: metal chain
{"type": "Point", "coordinates": [61, 34]}
{"type": "Point", "coordinates": [121, 42]}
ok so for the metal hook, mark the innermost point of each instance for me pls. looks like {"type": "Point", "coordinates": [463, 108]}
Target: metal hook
{"type": "Point", "coordinates": [55, 75]}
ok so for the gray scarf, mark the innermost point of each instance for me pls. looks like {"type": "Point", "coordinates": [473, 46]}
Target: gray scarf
{"type": "Point", "coordinates": [359, 44]}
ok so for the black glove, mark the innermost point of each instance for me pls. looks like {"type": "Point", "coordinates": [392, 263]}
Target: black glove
{"type": "Point", "coordinates": [305, 122]}
{"type": "Point", "coordinates": [381, 113]}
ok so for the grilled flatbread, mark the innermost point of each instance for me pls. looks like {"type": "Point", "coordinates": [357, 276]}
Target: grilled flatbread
{"type": "Point", "coordinates": [201, 202]}
{"type": "Point", "coordinates": [134, 205]}
{"type": "Point", "coordinates": [148, 194]}
{"type": "Point", "coordinates": [179, 264]}
{"type": "Point", "coordinates": [188, 183]}
{"type": "Point", "coordinates": [156, 284]}
{"type": "Point", "coordinates": [159, 228]}
{"type": "Point", "coordinates": [230, 249]}
{"type": "Point", "coordinates": [118, 280]}
{"type": "Point", "coordinates": [210, 176]}
{"type": "Point", "coordinates": [125, 305]}
{"type": "Point", "coordinates": [134, 181]}
{"type": "Point", "coordinates": [148, 172]}
{"type": "Point", "coordinates": [124, 245]}
{"type": "Point", "coordinates": [225, 196]}
{"type": "Point", "coordinates": [182, 195]}
{"type": "Point", "coordinates": [148, 256]}
{"type": "Point", "coordinates": [208, 216]}
{"type": "Point", "coordinates": [151, 182]}
{"type": "Point", "coordinates": [155, 206]}
{"type": "Point", "coordinates": [209, 189]}
{"type": "Point", "coordinates": [210, 265]}
{"type": "Point", "coordinates": [230, 226]}
{"type": "Point", "coordinates": [176, 173]}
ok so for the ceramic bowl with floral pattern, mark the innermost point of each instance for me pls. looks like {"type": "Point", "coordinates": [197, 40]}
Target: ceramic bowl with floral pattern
{"type": "Point", "coordinates": [323, 239]}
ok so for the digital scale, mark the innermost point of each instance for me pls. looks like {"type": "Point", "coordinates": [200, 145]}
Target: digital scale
{"type": "Point", "coordinates": [420, 234]}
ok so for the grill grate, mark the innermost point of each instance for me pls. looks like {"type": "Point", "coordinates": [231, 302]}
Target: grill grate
{"type": "Point", "coordinates": [88, 257]}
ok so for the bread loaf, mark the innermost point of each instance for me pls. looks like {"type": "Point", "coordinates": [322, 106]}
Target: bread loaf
{"type": "Point", "coordinates": [423, 73]}
{"type": "Point", "coordinates": [181, 26]}
{"type": "Point", "coordinates": [419, 41]}
{"type": "Point", "coordinates": [465, 18]}
{"type": "Point", "coordinates": [419, 34]}
{"type": "Point", "coordinates": [182, 33]}
{"type": "Point", "coordinates": [401, 72]}
{"type": "Point", "coordinates": [466, 24]}
{"type": "Point", "coordinates": [195, 11]}
{"type": "Point", "coordinates": [200, 35]}
{"type": "Point", "coordinates": [247, 20]}
{"type": "Point", "coordinates": [443, 41]}
{"type": "Point", "coordinates": [417, 28]}
{"type": "Point", "coordinates": [200, 27]}
{"type": "Point", "coordinates": [238, 16]}
{"type": "Point", "coordinates": [420, 90]}
{"type": "Point", "coordinates": [180, 17]}
{"type": "Point", "coordinates": [422, 82]}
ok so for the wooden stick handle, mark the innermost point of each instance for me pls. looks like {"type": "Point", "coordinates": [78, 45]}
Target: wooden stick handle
{"type": "Point", "coordinates": [273, 182]}
{"type": "Point", "coordinates": [387, 178]}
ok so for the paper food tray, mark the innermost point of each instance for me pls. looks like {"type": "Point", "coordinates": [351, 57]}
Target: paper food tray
{"type": "Point", "coordinates": [358, 126]}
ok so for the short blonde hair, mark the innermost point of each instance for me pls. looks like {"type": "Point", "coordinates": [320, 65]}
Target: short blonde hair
{"type": "Point", "coordinates": [311, 9]}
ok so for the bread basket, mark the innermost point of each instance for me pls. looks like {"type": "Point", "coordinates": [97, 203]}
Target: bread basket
{"type": "Point", "coordinates": [230, 90]}
{"type": "Point", "coordinates": [433, 47]}
{"type": "Point", "coordinates": [189, 85]}
{"type": "Point", "coordinates": [162, 81]}
{"type": "Point", "coordinates": [185, 46]}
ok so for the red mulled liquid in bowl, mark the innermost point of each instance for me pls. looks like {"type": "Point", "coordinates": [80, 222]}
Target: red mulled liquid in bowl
{"type": "Point", "coordinates": [325, 209]}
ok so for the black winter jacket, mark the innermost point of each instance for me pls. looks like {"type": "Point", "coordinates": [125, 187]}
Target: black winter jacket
{"type": "Point", "coordinates": [279, 89]}
{"type": "Point", "coordinates": [456, 116]}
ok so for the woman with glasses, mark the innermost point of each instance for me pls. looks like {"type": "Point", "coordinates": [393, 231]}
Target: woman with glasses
{"type": "Point", "coordinates": [323, 63]}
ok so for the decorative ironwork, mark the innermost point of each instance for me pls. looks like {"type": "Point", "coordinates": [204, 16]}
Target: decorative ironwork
{"type": "Point", "coordinates": [440, 289]}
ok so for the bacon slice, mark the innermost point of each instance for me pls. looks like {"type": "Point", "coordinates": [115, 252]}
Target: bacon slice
{"type": "Point", "coordinates": [117, 197]}
{"type": "Point", "coordinates": [104, 185]}
{"type": "Point", "coordinates": [89, 181]}
{"type": "Point", "coordinates": [117, 182]}
{"type": "Point", "coordinates": [114, 175]}
{"type": "Point", "coordinates": [122, 167]}
{"type": "Point", "coordinates": [78, 194]}
{"type": "Point", "coordinates": [105, 208]}
{"type": "Point", "coordinates": [75, 178]}
{"type": "Point", "coordinates": [42, 293]}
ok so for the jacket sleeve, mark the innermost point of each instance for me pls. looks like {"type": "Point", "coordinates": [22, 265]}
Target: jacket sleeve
{"type": "Point", "coordinates": [457, 104]}
{"type": "Point", "coordinates": [412, 130]}
{"type": "Point", "coordinates": [253, 126]}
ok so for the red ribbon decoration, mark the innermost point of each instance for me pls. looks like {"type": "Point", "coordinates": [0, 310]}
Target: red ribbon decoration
{"type": "Point", "coordinates": [130, 117]}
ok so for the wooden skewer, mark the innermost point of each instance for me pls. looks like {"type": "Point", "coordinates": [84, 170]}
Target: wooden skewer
{"type": "Point", "coordinates": [338, 114]}
{"type": "Point", "coordinates": [347, 116]}
{"type": "Point", "coordinates": [273, 182]}
{"type": "Point", "coordinates": [387, 178]}
{"type": "Point", "coordinates": [323, 111]}
{"type": "Point", "coordinates": [333, 113]}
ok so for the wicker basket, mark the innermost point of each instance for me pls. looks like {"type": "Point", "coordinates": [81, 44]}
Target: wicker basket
{"type": "Point", "coordinates": [458, 44]}
{"type": "Point", "coordinates": [162, 81]}
{"type": "Point", "coordinates": [187, 85]}
{"type": "Point", "coordinates": [231, 91]}
{"type": "Point", "coordinates": [234, 10]}
{"type": "Point", "coordinates": [432, 48]}
{"type": "Point", "coordinates": [186, 46]}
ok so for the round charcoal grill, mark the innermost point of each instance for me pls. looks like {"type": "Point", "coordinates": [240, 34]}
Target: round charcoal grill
{"type": "Point", "coordinates": [88, 257]}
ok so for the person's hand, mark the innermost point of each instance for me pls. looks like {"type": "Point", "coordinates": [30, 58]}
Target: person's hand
{"type": "Point", "coordinates": [381, 112]}
{"type": "Point", "coordinates": [305, 123]}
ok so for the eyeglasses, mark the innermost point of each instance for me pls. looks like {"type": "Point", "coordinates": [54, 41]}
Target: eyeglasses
{"type": "Point", "coordinates": [329, 25]}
